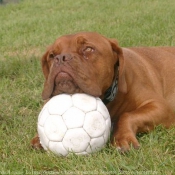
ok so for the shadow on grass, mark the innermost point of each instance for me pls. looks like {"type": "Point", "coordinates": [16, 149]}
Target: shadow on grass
{"type": "Point", "coordinates": [3, 2]}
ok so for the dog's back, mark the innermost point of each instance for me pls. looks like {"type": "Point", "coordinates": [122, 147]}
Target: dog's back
{"type": "Point", "coordinates": [159, 62]}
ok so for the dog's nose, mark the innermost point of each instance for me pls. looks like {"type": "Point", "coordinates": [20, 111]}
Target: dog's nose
{"type": "Point", "coordinates": [62, 58]}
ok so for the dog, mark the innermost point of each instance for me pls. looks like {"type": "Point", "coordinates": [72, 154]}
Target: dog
{"type": "Point", "coordinates": [137, 84]}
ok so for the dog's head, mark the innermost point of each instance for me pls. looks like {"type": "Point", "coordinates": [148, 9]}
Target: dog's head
{"type": "Point", "coordinates": [81, 63]}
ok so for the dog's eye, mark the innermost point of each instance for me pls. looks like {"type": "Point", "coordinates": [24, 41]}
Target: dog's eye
{"type": "Point", "coordinates": [51, 55]}
{"type": "Point", "coordinates": [88, 49]}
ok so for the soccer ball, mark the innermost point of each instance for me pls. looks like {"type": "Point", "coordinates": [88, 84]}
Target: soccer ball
{"type": "Point", "coordinates": [77, 123]}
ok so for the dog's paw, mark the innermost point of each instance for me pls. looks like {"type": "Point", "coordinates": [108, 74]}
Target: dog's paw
{"type": "Point", "coordinates": [35, 143]}
{"type": "Point", "coordinates": [124, 142]}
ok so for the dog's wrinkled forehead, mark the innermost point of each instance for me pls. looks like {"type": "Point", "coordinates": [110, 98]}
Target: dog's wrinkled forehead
{"type": "Point", "coordinates": [79, 39]}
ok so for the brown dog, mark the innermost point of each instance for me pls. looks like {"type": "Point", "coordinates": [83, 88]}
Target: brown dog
{"type": "Point", "coordinates": [137, 84]}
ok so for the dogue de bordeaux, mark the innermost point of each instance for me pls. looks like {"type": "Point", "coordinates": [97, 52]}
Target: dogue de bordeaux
{"type": "Point", "coordinates": [137, 84]}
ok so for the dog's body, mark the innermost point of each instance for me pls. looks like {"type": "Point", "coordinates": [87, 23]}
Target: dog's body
{"type": "Point", "coordinates": [89, 63]}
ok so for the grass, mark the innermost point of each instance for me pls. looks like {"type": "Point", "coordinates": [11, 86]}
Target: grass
{"type": "Point", "coordinates": [27, 28]}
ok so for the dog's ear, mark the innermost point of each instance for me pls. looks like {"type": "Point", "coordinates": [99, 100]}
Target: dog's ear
{"type": "Point", "coordinates": [45, 64]}
{"type": "Point", "coordinates": [48, 84]}
{"type": "Point", "coordinates": [118, 54]}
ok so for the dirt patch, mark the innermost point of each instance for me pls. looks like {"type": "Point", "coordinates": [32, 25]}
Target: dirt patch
{"type": "Point", "coordinates": [27, 53]}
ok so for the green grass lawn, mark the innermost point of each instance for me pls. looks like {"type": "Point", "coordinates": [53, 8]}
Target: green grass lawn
{"type": "Point", "coordinates": [26, 29]}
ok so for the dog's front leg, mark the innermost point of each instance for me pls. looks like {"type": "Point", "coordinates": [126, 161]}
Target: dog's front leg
{"type": "Point", "coordinates": [35, 143]}
{"type": "Point", "coordinates": [143, 119]}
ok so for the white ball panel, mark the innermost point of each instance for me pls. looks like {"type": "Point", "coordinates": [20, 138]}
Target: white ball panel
{"type": "Point", "coordinates": [73, 118]}
{"type": "Point", "coordinates": [59, 104]}
{"type": "Point", "coordinates": [84, 102]}
{"type": "Point", "coordinates": [57, 148]}
{"type": "Point", "coordinates": [108, 123]}
{"type": "Point", "coordinates": [106, 135]}
{"type": "Point", "coordinates": [43, 138]}
{"type": "Point", "coordinates": [43, 116]}
{"type": "Point", "coordinates": [76, 140]}
{"type": "Point", "coordinates": [55, 128]}
{"type": "Point", "coordinates": [94, 124]}
{"type": "Point", "coordinates": [108, 130]}
{"type": "Point", "coordinates": [102, 109]}
{"type": "Point", "coordinates": [95, 144]}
